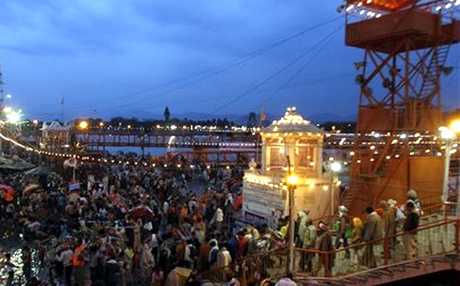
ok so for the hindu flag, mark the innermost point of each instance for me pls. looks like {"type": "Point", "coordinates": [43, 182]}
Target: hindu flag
{"type": "Point", "coordinates": [262, 116]}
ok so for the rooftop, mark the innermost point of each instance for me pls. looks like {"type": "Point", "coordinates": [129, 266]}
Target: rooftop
{"type": "Point", "coordinates": [292, 122]}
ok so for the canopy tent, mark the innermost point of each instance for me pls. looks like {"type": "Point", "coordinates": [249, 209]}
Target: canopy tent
{"type": "Point", "coordinates": [4, 160]}
{"type": "Point", "coordinates": [17, 166]}
{"type": "Point", "coordinates": [39, 170]}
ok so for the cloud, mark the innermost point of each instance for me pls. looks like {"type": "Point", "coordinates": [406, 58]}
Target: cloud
{"type": "Point", "coordinates": [121, 55]}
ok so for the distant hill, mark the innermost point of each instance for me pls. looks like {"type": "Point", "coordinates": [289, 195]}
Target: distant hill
{"type": "Point", "coordinates": [325, 117]}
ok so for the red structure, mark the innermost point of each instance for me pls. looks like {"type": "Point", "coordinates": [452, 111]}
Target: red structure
{"type": "Point", "coordinates": [406, 44]}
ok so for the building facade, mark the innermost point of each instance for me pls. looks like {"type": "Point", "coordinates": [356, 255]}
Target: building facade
{"type": "Point", "coordinates": [291, 145]}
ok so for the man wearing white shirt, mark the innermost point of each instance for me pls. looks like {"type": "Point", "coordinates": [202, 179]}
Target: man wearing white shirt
{"type": "Point", "coordinates": [66, 258]}
{"type": "Point", "coordinates": [219, 219]}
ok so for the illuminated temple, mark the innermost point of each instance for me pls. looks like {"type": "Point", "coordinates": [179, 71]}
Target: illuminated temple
{"type": "Point", "coordinates": [295, 142]}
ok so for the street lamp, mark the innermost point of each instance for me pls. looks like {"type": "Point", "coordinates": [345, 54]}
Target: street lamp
{"type": "Point", "coordinates": [8, 116]}
{"type": "Point", "coordinates": [455, 127]}
{"type": "Point", "coordinates": [448, 136]}
{"type": "Point", "coordinates": [13, 118]}
{"type": "Point", "coordinates": [83, 125]}
{"type": "Point", "coordinates": [334, 167]}
{"type": "Point", "coordinates": [292, 185]}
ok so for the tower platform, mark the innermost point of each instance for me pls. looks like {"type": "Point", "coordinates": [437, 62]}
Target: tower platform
{"type": "Point", "coordinates": [386, 33]}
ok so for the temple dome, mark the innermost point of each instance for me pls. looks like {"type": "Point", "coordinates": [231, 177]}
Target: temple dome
{"type": "Point", "coordinates": [292, 122]}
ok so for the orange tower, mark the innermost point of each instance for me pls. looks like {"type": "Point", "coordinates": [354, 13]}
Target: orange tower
{"type": "Point", "coordinates": [406, 44]}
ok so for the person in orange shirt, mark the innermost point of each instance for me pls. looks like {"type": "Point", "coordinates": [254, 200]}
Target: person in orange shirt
{"type": "Point", "coordinates": [8, 196]}
{"type": "Point", "coordinates": [78, 263]}
{"type": "Point", "coordinates": [238, 202]}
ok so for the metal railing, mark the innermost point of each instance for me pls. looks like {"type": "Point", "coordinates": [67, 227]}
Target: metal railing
{"type": "Point", "coordinates": [433, 239]}
{"type": "Point", "coordinates": [438, 235]}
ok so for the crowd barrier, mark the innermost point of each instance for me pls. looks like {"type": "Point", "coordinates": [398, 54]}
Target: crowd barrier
{"type": "Point", "coordinates": [437, 236]}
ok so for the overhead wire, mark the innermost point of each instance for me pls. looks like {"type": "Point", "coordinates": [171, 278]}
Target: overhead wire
{"type": "Point", "coordinates": [329, 77]}
{"type": "Point", "coordinates": [324, 42]}
{"type": "Point", "coordinates": [210, 73]}
{"type": "Point", "coordinates": [271, 76]}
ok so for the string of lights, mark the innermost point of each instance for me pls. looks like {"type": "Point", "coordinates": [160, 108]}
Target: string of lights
{"type": "Point", "coordinates": [421, 145]}
{"type": "Point", "coordinates": [375, 9]}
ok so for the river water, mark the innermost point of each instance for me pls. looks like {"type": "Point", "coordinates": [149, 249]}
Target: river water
{"type": "Point", "coordinates": [12, 245]}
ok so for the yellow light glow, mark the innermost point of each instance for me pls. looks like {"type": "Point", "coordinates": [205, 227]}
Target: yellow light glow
{"type": "Point", "coordinates": [83, 124]}
{"type": "Point", "coordinates": [455, 126]}
{"type": "Point", "coordinates": [292, 180]}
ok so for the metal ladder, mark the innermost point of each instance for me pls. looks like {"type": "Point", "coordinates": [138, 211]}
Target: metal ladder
{"type": "Point", "coordinates": [432, 74]}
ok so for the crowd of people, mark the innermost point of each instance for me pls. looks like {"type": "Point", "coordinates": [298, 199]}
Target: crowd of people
{"type": "Point", "coordinates": [129, 224]}
{"type": "Point", "coordinates": [363, 242]}
{"type": "Point", "coordinates": [139, 224]}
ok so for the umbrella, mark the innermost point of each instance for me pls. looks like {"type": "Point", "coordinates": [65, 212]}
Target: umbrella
{"type": "Point", "coordinates": [6, 187]}
{"type": "Point", "coordinates": [30, 188]}
{"type": "Point", "coordinates": [141, 212]}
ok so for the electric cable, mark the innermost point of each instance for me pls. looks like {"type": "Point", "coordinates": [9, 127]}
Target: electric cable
{"type": "Point", "coordinates": [318, 51]}
{"type": "Point", "coordinates": [270, 77]}
{"type": "Point", "coordinates": [207, 74]}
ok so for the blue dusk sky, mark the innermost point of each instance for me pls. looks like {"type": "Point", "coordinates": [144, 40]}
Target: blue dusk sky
{"type": "Point", "coordinates": [134, 57]}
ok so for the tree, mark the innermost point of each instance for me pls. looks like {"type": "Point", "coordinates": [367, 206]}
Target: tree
{"type": "Point", "coordinates": [166, 114]}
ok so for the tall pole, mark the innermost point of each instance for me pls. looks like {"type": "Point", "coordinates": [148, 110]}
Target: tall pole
{"type": "Point", "coordinates": [331, 185]}
{"type": "Point", "coordinates": [458, 186]}
{"type": "Point", "coordinates": [455, 127]}
{"type": "Point", "coordinates": [445, 182]}
{"type": "Point", "coordinates": [62, 109]}
{"type": "Point", "coordinates": [334, 167]}
{"type": "Point", "coordinates": [291, 189]}
{"type": "Point", "coordinates": [1, 107]}
{"type": "Point", "coordinates": [448, 136]}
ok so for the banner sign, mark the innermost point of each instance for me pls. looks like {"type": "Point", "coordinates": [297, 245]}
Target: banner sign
{"type": "Point", "coordinates": [74, 185]}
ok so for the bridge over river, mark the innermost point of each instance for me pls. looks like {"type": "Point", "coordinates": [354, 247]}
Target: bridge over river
{"type": "Point", "coordinates": [215, 146]}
